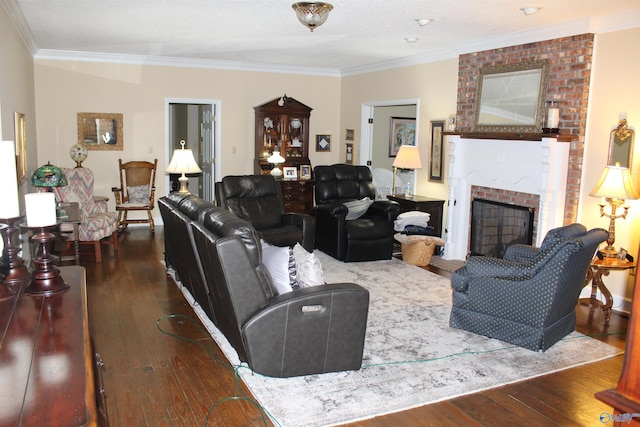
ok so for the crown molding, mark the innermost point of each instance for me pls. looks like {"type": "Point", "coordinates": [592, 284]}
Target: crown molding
{"type": "Point", "coordinates": [12, 9]}
{"type": "Point", "coordinates": [167, 61]}
{"type": "Point", "coordinates": [600, 25]}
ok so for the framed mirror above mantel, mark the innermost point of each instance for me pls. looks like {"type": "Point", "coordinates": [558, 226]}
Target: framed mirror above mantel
{"type": "Point", "coordinates": [510, 98]}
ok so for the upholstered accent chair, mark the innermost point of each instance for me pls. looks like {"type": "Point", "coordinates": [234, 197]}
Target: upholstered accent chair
{"type": "Point", "coordinates": [97, 224]}
{"type": "Point", "coordinates": [136, 192]}
{"type": "Point", "coordinates": [527, 298]}
{"type": "Point", "coordinates": [350, 224]}
{"type": "Point", "coordinates": [258, 200]}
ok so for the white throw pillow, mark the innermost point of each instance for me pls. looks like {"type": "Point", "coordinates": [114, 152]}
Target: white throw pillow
{"type": "Point", "coordinates": [308, 267]}
{"type": "Point", "coordinates": [357, 208]}
{"type": "Point", "coordinates": [276, 261]}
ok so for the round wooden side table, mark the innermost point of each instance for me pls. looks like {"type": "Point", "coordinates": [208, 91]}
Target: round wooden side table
{"type": "Point", "coordinates": [597, 269]}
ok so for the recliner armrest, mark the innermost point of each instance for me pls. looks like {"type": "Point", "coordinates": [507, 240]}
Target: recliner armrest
{"type": "Point", "coordinates": [336, 210]}
{"type": "Point", "coordinates": [295, 218]}
{"type": "Point", "coordinates": [387, 208]}
{"type": "Point", "coordinates": [307, 331]}
{"type": "Point", "coordinates": [308, 225]}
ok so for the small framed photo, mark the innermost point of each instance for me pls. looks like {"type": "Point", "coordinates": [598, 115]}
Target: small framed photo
{"type": "Point", "coordinates": [622, 254]}
{"type": "Point", "coordinates": [348, 153]}
{"type": "Point", "coordinates": [323, 143]}
{"type": "Point", "coordinates": [290, 172]}
{"type": "Point", "coordinates": [305, 171]}
{"type": "Point", "coordinates": [350, 135]}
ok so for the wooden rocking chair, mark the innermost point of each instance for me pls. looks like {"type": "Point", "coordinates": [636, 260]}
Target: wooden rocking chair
{"type": "Point", "coordinates": [136, 192]}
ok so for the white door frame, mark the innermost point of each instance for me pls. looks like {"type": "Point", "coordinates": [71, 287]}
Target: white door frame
{"type": "Point", "coordinates": [215, 106]}
{"type": "Point", "coordinates": [366, 128]}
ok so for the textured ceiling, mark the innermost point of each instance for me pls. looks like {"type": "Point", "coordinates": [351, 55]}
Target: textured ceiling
{"type": "Point", "coordinates": [359, 34]}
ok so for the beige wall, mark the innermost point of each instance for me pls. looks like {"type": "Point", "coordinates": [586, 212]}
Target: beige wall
{"type": "Point", "coordinates": [614, 94]}
{"type": "Point", "coordinates": [65, 88]}
{"type": "Point", "coordinates": [17, 91]}
{"type": "Point", "coordinates": [435, 85]}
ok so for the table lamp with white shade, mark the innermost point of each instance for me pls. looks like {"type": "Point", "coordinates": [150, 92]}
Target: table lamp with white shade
{"type": "Point", "coordinates": [614, 187]}
{"type": "Point", "coordinates": [408, 157]}
{"type": "Point", "coordinates": [183, 162]}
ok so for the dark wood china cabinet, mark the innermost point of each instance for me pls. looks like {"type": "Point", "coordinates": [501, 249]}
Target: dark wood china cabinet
{"type": "Point", "coordinates": [283, 125]}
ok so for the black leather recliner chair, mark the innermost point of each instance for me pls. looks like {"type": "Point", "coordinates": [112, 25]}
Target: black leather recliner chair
{"type": "Point", "coordinates": [307, 331]}
{"type": "Point", "coordinates": [367, 238]}
{"type": "Point", "coordinates": [258, 199]}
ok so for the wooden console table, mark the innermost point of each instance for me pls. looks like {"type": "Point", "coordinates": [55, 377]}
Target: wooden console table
{"type": "Point", "coordinates": [46, 360]}
{"type": "Point", "coordinates": [433, 207]}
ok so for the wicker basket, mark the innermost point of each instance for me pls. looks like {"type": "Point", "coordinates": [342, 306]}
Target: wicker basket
{"type": "Point", "coordinates": [416, 249]}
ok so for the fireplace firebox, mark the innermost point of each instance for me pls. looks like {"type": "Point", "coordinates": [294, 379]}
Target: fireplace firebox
{"type": "Point", "coordinates": [495, 226]}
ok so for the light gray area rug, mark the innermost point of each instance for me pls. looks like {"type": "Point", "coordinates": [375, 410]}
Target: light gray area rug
{"type": "Point", "coordinates": [411, 355]}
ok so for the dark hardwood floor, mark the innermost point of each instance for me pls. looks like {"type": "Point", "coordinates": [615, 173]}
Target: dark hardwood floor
{"type": "Point", "coordinates": [154, 379]}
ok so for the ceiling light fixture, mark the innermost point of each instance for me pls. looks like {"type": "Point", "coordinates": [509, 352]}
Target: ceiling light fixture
{"type": "Point", "coordinates": [411, 39]}
{"type": "Point", "coordinates": [312, 15]}
{"type": "Point", "coordinates": [530, 10]}
{"type": "Point", "coordinates": [423, 21]}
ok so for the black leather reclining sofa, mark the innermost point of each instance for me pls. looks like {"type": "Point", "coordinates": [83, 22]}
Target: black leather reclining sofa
{"type": "Point", "coordinates": [217, 256]}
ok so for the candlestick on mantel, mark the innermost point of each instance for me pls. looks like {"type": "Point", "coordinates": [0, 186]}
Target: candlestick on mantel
{"type": "Point", "coordinates": [41, 209]}
{"type": "Point", "coordinates": [10, 206]}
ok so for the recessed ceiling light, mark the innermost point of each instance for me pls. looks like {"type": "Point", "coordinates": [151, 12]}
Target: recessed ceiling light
{"type": "Point", "coordinates": [423, 21]}
{"type": "Point", "coordinates": [411, 39]}
{"type": "Point", "coordinates": [530, 10]}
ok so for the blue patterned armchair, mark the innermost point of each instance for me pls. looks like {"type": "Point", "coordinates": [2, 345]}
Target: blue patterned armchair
{"type": "Point", "coordinates": [528, 298]}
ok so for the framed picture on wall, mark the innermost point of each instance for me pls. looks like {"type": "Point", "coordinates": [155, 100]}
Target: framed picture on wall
{"type": "Point", "coordinates": [402, 131]}
{"type": "Point", "coordinates": [436, 163]}
{"type": "Point", "coordinates": [323, 143]}
{"type": "Point", "coordinates": [21, 146]}
{"type": "Point", "coordinates": [348, 153]}
{"type": "Point", "coordinates": [349, 135]}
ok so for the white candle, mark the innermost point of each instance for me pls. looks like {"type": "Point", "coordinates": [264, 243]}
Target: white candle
{"type": "Point", "coordinates": [9, 202]}
{"type": "Point", "coordinates": [553, 117]}
{"type": "Point", "coordinates": [41, 209]}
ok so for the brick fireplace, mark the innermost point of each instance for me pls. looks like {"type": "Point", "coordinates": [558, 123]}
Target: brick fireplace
{"type": "Point", "coordinates": [529, 173]}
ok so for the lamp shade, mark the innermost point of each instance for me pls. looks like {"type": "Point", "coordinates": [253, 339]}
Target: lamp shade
{"type": "Point", "coordinates": [615, 183]}
{"type": "Point", "coordinates": [276, 158]}
{"type": "Point", "coordinates": [48, 176]}
{"type": "Point", "coordinates": [183, 161]}
{"type": "Point", "coordinates": [408, 157]}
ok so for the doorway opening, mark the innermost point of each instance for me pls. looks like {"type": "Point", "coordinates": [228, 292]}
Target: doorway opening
{"type": "Point", "coordinates": [194, 121]}
{"type": "Point", "coordinates": [375, 141]}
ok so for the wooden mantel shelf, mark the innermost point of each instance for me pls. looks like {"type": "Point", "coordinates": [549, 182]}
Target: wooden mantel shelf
{"type": "Point", "coordinates": [514, 136]}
